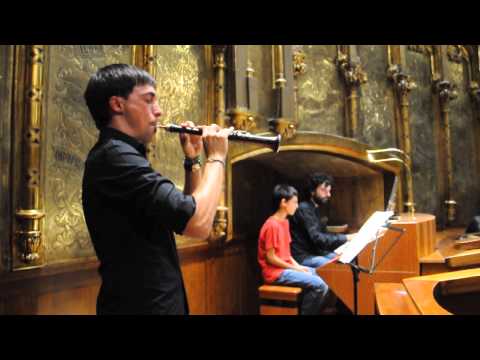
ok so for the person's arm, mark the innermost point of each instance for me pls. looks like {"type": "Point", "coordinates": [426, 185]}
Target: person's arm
{"type": "Point", "coordinates": [304, 268]}
{"type": "Point", "coordinates": [192, 180]}
{"type": "Point", "coordinates": [294, 262]}
{"type": "Point", "coordinates": [320, 239]}
{"type": "Point", "coordinates": [207, 193]}
{"type": "Point", "coordinates": [274, 260]}
{"type": "Point", "coordinates": [192, 146]}
{"type": "Point", "coordinates": [123, 175]}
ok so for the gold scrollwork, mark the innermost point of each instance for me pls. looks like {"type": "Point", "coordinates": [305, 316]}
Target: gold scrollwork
{"type": "Point", "coordinates": [29, 240]}
{"type": "Point", "coordinates": [241, 119]}
{"type": "Point", "coordinates": [475, 91]}
{"type": "Point", "coordinates": [446, 90]}
{"type": "Point", "coordinates": [403, 83]}
{"type": "Point", "coordinates": [29, 243]}
{"type": "Point", "coordinates": [422, 49]}
{"type": "Point", "coordinates": [219, 230]}
{"type": "Point", "coordinates": [286, 128]}
{"type": "Point", "coordinates": [299, 65]}
{"type": "Point", "coordinates": [69, 134]}
{"type": "Point", "coordinates": [353, 74]}
{"type": "Point", "coordinates": [457, 54]}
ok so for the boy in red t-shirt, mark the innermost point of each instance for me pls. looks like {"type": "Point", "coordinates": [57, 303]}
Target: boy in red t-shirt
{"type": "Point", "coordinates": [275, 259]}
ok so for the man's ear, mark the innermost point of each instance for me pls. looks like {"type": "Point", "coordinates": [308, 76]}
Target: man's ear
{"type": "Point", "coordinates": [116, 104]}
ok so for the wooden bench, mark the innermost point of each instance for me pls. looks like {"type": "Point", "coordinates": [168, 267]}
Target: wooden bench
{"type": "Point", "coordinates": [279, 300]}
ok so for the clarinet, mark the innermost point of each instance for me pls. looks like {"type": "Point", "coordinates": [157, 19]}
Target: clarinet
{"type": "Point", "coordinates": [237, 135]}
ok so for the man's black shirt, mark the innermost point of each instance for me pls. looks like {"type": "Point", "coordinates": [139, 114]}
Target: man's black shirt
{"type": "Point", "coordinates": [131, 213]}
{"type": "Point", "coordinates": [309, 234]}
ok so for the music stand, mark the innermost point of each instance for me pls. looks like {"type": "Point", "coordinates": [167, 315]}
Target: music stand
{"type": "Point", "coordinates": [356, 269]}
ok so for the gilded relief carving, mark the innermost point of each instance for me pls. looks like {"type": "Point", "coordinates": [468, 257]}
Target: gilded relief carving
{"type": "Point", "coordinates": [69, 136]}
{"type": "Point", "coordinates": [178, 80]}
{"type": "Point", "coordinates": [422, 49]}
{"type": "Point", "coordinates": [299, 65]}
{"type": "Point", "coordinates": [180, 74]}
{"type": "Point", "coordinates": [457, 53]}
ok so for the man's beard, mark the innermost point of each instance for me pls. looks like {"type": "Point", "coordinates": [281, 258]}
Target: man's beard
{"type": "Point", "coordinates": [319, 201]}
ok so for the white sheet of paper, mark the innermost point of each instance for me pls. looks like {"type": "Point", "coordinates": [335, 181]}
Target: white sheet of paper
{"type": "Point", "coordinates": [365, 235]}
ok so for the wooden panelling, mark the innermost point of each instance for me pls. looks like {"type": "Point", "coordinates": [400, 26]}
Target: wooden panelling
{"type": "Point", "coordinates": [216, 281]}
{"type": "Point", "coordinates": [340, 280]}
{"type": "Point", "coordinates": [225, 284]}
{"type": "Point", "coordinates": [400, 263]}
{"type": "Point", "coordinates": [81, 301]}
{"type": "Point", "coordinates": [195, 278]}
{"type": "Point", "coordinates": [276, 310]}
{"type": "Point", "coordinates": [78, 301]}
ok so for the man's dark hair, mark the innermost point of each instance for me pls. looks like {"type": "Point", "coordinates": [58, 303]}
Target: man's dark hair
{"type": "Point", "coordinates": [283, 191]}
{"type": "Point", "coordinates": [318, 179]}
{"type": "Point", "coordinates": [112, 80]}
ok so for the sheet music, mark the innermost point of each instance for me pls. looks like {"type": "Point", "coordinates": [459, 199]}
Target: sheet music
{"type": "Point", "coordinates": [365, 235]}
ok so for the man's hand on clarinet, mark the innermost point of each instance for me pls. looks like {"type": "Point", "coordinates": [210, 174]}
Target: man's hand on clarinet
{"type": "Point", "coordinates": [192, 145]}
{"type": "Point", "coordinates": [215, 142]}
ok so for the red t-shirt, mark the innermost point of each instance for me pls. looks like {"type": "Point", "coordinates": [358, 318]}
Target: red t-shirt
{"type": "Point", "coordinates": [275, 234]}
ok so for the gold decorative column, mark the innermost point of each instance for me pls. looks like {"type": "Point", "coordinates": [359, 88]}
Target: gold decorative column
{"type": "Point", "coordinates": [475, 92]}
{"type": "Point", "coordinates": [281, 124]}
{"type": "Point", "coordinates": [148, 59]}
{"type": "Point", "coordinates": [446, 93]}
{"type": "Point", "coordinates": [240, 114]}
{"type": "Point", "coordinates": [403, 84]}
{"type": "Point", "coordinates": [475, 75]}
{"type": "Point", "coordinates": [219, 231]}
{"type": "Point", "coordinates": [349, 65]}
{"type": "Point", "coordinates": [299, 68]}
{"type": "Point", "coordinates": [28, 247]}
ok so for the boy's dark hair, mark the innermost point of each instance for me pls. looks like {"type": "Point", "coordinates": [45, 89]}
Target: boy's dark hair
{"type": "Point", "coordinates": [282, 191]}
{"type": "Point", "coordinates": [317, 179]}
{"type": "Point", "coordinates": [112, 80]}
